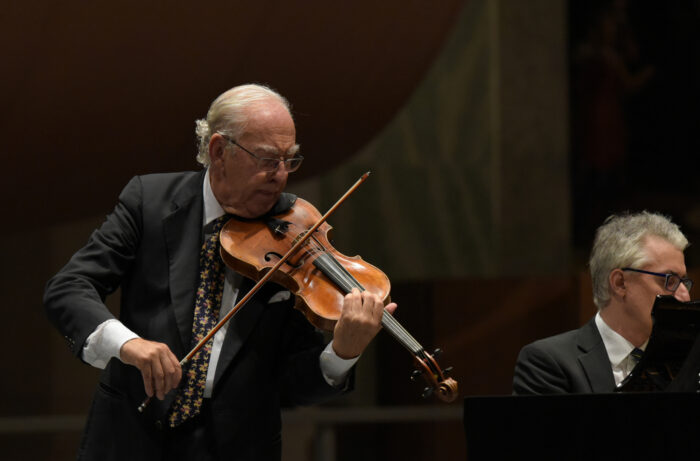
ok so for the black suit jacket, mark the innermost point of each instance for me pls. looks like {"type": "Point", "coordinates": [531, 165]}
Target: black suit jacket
{"type": "Point", "coordinates": [572, 362]}
{"type": "Point", "coordinates": [149, 245]}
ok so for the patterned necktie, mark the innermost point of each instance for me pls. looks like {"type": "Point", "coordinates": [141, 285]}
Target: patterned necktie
{"type": "Point", "coordinates": [188, 401]}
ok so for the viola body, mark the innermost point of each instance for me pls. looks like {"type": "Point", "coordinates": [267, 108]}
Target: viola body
{"type": "Point", "coordinates": [312, 273]}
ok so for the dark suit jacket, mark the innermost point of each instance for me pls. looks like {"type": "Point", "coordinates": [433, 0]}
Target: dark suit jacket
{"type": "Point", "coordinates": [572, 362]}
{"type": "Point", "coordinates": [149, 245]}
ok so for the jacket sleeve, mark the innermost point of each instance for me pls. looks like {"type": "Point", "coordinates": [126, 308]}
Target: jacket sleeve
{"type": "Point", "coordinates": [74, 297]}
{"type": "Point", "coordinates": [302, 379]}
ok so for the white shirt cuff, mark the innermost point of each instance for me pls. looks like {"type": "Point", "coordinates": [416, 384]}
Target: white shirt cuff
{"type": "Point", "coordinates": [106, 342]}
{"type": "Point", "coordinates": [335, 369]}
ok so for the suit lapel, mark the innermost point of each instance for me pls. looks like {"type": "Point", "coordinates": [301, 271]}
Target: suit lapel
{"type": "Point", "coordinates": [594, 359]}
{"type": "Point", "coordinates": [240, 326]}
{"type": "Point", "coordinates": [183, 236]}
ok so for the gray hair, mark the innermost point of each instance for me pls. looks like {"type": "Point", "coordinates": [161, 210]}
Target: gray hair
{"type": "Point", "coordinates": [619, 242]}
{"type": "Point", "coordinates": [227, 114]}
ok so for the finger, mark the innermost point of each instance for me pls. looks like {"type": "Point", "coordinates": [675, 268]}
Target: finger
{"type": "Point", "coordinates": [171, 371]}
{"type": "Point", "coordinates": [374, 306]}
{"type": "Point", "coordinates": [391, 307]}
{"type": "Point", "coordinates": [353, 301]}
{"type": "Point", "coordinates": [177, 376]}
{"type": "Point", "coordinates": [369, 300]}
{"type": "Point", "coordinates": [379, 310]}
{"type": "Point", "coordinates": [377, 304]}
{"type": "Point", "coordinates": [158, 378]}
{"type": "Point", "coordinates": [369, 297]}
{"type": "Point", "coordinates": [147, 380]}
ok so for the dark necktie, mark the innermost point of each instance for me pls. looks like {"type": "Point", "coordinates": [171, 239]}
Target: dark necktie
{"type": "Point", "coordinates": [188, 400]}
{"type": "Point", "coordinates": [636, 355]}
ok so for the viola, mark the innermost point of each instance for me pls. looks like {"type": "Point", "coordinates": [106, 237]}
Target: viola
{"type": "Point", "coordinates": [320, 277]}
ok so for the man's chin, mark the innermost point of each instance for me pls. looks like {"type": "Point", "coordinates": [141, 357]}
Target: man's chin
{"type": "Point", "coordinates": [253, 209]}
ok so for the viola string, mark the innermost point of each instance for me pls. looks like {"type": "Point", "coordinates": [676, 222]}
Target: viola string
{"type": "Point", "coordinates": [336, 272]}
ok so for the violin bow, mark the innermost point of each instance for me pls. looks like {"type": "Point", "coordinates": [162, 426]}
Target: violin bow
{"type": "Point", "coordinates": [264, 279]}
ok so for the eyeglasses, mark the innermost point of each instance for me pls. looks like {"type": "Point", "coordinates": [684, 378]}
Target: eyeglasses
{"type": "Point", "coordinates": [270, 163]}
{"type": "Point", "coordinates": [673, 281]}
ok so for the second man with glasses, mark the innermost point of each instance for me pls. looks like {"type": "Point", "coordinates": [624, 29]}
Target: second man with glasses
{"type": "Point", "coordinates": [635, 257]}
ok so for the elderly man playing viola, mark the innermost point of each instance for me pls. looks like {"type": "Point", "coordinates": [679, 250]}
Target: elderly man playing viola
{"type": "Point", "coordinates": [160, 246]}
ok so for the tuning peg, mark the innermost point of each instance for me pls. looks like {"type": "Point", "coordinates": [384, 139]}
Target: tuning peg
{"type": "Point", "coordinates": [415, 374]}
{"type": "Point", "coordinates": [437, 352]}
{"type": "Point", "coordinates": [427, 392]}
{"type": "Point", "coordinates": [447, 370]}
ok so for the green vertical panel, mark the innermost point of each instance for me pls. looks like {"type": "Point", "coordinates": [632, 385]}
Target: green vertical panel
{"type": "Point", "coordinates": [427, 209]}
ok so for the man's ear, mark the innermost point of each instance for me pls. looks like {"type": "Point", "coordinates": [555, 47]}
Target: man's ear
{"type": "Point", "coordinates": [217, 147]}
{"type": "Point", "coordinates": [618, 285]}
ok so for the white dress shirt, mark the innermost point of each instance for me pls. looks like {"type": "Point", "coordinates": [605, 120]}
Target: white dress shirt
{"type": "Point", "coordinates": [618, 349]}
{"type": "Point", "coordinates": [108, 338]}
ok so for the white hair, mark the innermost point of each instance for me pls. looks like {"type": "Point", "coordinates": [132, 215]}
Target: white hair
{"type": "Point", "coordinates": [619, 243]}
{"type": "Point", "coordinates": [228, 115]}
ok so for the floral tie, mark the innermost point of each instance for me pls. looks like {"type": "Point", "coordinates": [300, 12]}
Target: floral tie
{"type": "Point", "coordinates": [188, 401]}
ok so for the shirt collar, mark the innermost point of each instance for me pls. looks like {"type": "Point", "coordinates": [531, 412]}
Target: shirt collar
{"type": "Point", "coordinates": [618, 348]}
{"type": "Point", "coordinates": [212, 208]}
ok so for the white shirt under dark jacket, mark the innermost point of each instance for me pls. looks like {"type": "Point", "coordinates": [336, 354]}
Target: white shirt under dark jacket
{"type": "Point", "coordinates": [618, 349]}
{"type": "Point", "coordinates": [108, 338]}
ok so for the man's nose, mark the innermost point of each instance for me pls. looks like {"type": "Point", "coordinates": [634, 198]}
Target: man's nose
{"type": "Point", "coordinates": [682, 294]}
{"type": "Point", "coordinates": [280, 173]}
